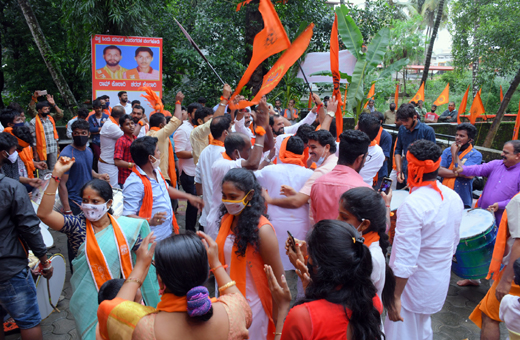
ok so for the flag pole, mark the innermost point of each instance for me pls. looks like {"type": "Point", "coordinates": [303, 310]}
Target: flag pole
{"type": "Point", "coordinates": [198, 50]}
{"type": "Point", "coordinates": [306, 81]}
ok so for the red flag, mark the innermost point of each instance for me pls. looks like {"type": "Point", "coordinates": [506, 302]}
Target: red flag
{"type": "Point", "coordinates": [517, 124]}
{"type": "Point", "coordinates": [269, 41]}
{"type": "Point", "coordinates": [462, 107]}
{"type": "Point", "coordinates": [444, 97]}
{"type": "Point", "coordinates": [396, 96]}
{"type": "Point", "coordinates": [419, 95]}
{"type": "Point", "coordinates": [477, 108]}
{"type": "Point", "coordinates": [334, 67]}
{"type": "Point", "coordinates": [371, 93]}
{"type": "Point", "coordinates": [501, 94]}
{"type": "Point", "coordinates": [282, 65]}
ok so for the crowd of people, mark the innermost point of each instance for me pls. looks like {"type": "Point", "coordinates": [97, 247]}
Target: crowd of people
{"type": "Point", "coordinates": [286, 217]}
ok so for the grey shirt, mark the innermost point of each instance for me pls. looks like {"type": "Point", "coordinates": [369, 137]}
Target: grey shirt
{"type": "Point", "coordinates": [448, 116]}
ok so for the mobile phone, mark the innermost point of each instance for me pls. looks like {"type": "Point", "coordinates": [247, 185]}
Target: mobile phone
{"type": "Point", "coordinates": [41, 93]}
{"type": "Point", "coordinates": [293, 246]}
{"type": "Point", "coordinates": [386, 184]}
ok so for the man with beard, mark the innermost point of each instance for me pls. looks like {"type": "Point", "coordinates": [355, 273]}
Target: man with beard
{"type": "Point", "coordinates": [43, 129]}
{"type": "Point", "coordinates": [140, 121]}
{"type": "Point", "coordinates": [143, 57]}
{"type": "Point", "coordinates": [278, 106]}
{"type": "Point", "coordinates": [112, 55]}
{"type": "Point", "coordinates": [123, 101]}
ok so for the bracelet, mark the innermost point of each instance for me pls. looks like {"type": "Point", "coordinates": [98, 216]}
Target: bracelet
{"type": "Point", "coordinates": [222, 98]}
{"type": "Point", "coordinates": [57, 179]}
{"type": "Point", "coordinates": [277, 333]}
{"type": "Point", "coordinates": [260, 131]}
{"type": "Point", "coordinates": [388, 206]}
{"type": "Point", "coordinates": [134, 280]}
{"type": "Point", "coordinates": [130, 165]}
{"type": "Point", "coordinates": [50, 193]}
{"type": "Point", "coordinates": [267, 159]}
{"type": "Point", "coordinates": [217, 267]}
{"type": "Point", "coordinates": [140, 123]}
{"type": "Point", "coordinates": [226, 286]}
{"type": "Point", "coordinates": [178, 102]}
{"type": "Point", "coordinates": [260, 145]}
{"type": "Point", "coordinates": [222, 104]}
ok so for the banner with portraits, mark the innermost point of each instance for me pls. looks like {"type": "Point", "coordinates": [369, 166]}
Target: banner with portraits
{"type": "Point", "coordinates": [125, 64]}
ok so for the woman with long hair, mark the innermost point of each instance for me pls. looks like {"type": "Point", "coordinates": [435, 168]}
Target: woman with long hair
{"type": "Point", "coordinates": [102, 246]}
{"type": "Point", "coordinates": [186, 312]}
{"type": "Point", "coordinates": [340, 300]}
{"type": "Point", "coordinates": [246, 242]}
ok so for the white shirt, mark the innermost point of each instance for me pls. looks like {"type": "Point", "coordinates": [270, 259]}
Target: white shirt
{"type": "Point", "coordinates": [240, 127]}
{"type": "Point", "coordinates": [309, 119]}
{"type": "Point", "coordinates": [69, 127]}
{"type": "Point", "coordinates": [143, 131]}
{"type": "Point", "coordinates": [182, 143]}
{"type": "Point", "coordinates": [378, 267]}
{"type": "Point", "coordinates": [109, 135]}
{"type": "Point", "coordinates": [372, 165]}
{"type": "Point", "coordinates": [218, 171]}
{"type": "Point", "coordinates": [510, 312]}
{"type": "Point", "coordinates": [208, 156]}
{"type": "Point", "coordinates": [294, 220]}
{"type": "Point", "coordinates": [426, 237]}
{"type": "Point", "coordinates": [128, 107]}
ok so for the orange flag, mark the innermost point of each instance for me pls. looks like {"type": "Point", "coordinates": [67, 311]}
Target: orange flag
{"type": "Point", "coordinates": [501, 94]}
{"type": "Point", "coordinates": [269, 41]}
{"type": "Point", "coordinates": [419, 95]}
{"type": "Point", "coordinates": [282, 65]}
{"type": "Point", "coordinates": [517, 124]}
{"type": "Point", "coordinates": [444, 98]}
{"type": "Point", "coordinates": [371, 93]}
{"type": "Point", "coordinates": [477, 108]}
{"type": "Point", "coordinates": [334, 67]}
{"type": "Point", "coordinates": [309, 104]}
{"type": "Point", "coordinates": [396, 96]}
{"type": "Point", "coordinates": [462, 107]}
{"type": "Point", "coordinates": [241, 4]}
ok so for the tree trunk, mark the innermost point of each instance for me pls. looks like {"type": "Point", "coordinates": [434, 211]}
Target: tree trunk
{"type": "Point", "coordinates": [254, 24]}
{"type": "Point", "coordinates": [501, 111]}
{"type": "Point", "coordinates": [47, 55]}
{"type": "Point", "coordinates": [432, 42]}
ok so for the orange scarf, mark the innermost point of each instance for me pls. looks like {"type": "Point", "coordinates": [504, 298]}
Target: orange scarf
{"type": "Point", "coordinates": [26, 155]}
{"type": "Point", "coordinates": [377, 140]}
{"type": "Point", "coordinates": [41, 143]}
{"type": "Point", "coordinates": [289, 157]}
{"type": "Point", "coordinates": [370, 238]}
{"type": "Point", "coordinates": [172, 303]}
{"type": "Point", "coordinates": [217, 142]}
{"type": "Point", "coordinates": [416, 170]}
{"type": "Point", "coordinates": [450, 182]}
{"type": "Point", "coordinates": [225, 156]}
{"type": "Point", "coordinates": [255, 263]}
{"type": "Point", "coordinates": [171, 161]}
{"type": "Point", "coordinates": [113, 120]}
{"type": "Point", "coordinates": [394, 167]}
{"type": "Point", "coordinates": [147, 205]}
{"type": "Point", "coordinates": [96, 259]}
{"type": "Point", "coordinates": [500, 247]}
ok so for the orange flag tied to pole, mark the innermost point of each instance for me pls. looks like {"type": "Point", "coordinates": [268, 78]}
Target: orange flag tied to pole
{"type": "Point", "coordinates": [501, 94]}
{"type": "Point", "coordinates": [282, 65]}
{"type": "Point", "coordinates": [419, 95]}
{"type": "Point", "coordinates": [462, 107]}
{"type": "Point", "coordinates": [334, 67]}
{"type": "Point", "coordinates": [309, 104]}
{"type": "Point", "coordinates": [269, 41]}
{"type": "Point", "coordinates": [444, 98]}
{"type": "Point", "coordinates": [371, 93]}
{"type": "Point", "coordinates": [477, 108]}
{"type": "Point", "coordinates": [396, 96]}
{"type": "Point", "coordinates": [517, 124]}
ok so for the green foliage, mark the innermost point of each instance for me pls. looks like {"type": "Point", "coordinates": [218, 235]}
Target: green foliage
{"type": "Point", "coordinates": [407, 41]}
{"type": "Point", "coordinates": [373, 17]}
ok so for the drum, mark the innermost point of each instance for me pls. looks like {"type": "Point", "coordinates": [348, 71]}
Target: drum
{"type": "Point", "coordinates": [117, 205]}
{"type": "Point", "coordinates": [477, 238]}
{"type": "Point", "coordinates": [398, 198]}
{"type": "Point", "coordinates": [44, 229]}
{"type": "Point", "coordinates": [56, 283]}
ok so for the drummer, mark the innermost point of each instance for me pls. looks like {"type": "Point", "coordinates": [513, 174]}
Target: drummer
{"type": "Point", "coordinates": [18, 220]}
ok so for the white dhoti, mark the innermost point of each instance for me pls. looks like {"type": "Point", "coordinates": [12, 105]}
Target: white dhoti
{"type": "Point", "coordinates": [111, 170]}
{"type": "Point", "coordinates": [415, 326]}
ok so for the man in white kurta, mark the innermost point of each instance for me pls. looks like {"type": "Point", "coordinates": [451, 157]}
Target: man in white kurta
{"type": "Point", "coordinates": [374, 162]}
{"type": "Point", "coordinates": [109, 134]}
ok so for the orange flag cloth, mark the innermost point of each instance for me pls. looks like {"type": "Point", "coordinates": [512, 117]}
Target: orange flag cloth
{"type": "Point", "coordinates": [41, 143]}
{"type": "Point", "coordinates": [517, 124]}
{"type": "Point", "coordinates": [282, 65]}
{"type": "Point", "coordinates": [450, 182]}
{"type": "Point", "coordinates": [146, 208]}
{"type": "Point", "coordinates": [336, 76]}
{"type": "Point", "coordinates": [269, 41]}
{"type": "Point", "coordinates": [419, 95]}
{"type": "Point", "coordinates": [255, 263]}
{"type": "Point", "coordinates": [416, 170]}
{"type": "Point", "coordinates": [371, 93]}
{"type": "Point", "coordinates": [444, 97]}
{"type": "Point", "coordinates": [152, 98]}
{"type": "Point", "coordinates": [288, 157]}
{"type": "Point", "coordinates": [501, 94]}
{"type": "Point", "coordinates": [462, 106]}
{"type": "Point", "coordinates": [477, 108]}
{"type": "Point", "coordinates": [396, 95]}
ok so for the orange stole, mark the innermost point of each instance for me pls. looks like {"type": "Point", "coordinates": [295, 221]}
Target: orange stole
{"type": "Point", "coordinates": [171, 161]}
{"type": "Point", "coordinates": [146, 208]}
{"type": "Point", "coordinates": [41, 143]}
{"type": "Point", "coordinates": [113, 120]}
{"type": "Point", "coordinates": [370, 238]}
{"type": "Point", "coordinates": [26, 155]}
{"type": "Point", "coordinates": [289, 157]}
{"type": "Point", "coordinates": [217, 142]}
{"type": "Point", "coordinates": [102, 74]}
{"type": "Point", "coordinates": [255, 263]}
{"type": "Point", "coordinates": [450, 182]}
{"type": "Point", "coordinates": [416, 170]}
{"type": "Point", "coordinates": [394, 167]}
{"type": "Point", "coordinates": [132, 74]}
{"type": "Point", "coordinates": [96, 259]}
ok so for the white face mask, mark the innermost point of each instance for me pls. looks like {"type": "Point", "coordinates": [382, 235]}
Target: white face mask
{"type": "Point", "coordinates": [321, 160]}
{"type": "Point", "coordinates": [12, 157]}
{"type": "Point", "coordinates": [236, 207]}
{"type": "Point", "coordinates": [156, 164]}
{"type": "Point", "coordinates": [94, 212]}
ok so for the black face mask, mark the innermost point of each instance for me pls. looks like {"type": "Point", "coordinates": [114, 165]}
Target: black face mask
{"type": "Point", "coordinates": [80, 140]}
{"type": "Point", "coordinates": [45, 114]}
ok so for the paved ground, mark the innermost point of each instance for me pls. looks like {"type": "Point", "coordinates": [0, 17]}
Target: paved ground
{"type": "Point", "coordinates": [451, 323]}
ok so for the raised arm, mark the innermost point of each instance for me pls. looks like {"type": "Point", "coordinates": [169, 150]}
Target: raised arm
{"type": "Point", "coordinates": [178, 107]}
{"type": "Point", "coordinates": [226, 93]}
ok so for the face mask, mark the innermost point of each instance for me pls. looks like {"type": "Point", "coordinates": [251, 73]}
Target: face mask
{"type": "Point", "coordinates": [45, 114]}
{"type": "Point", "coordinates": [239, 157]}
{"type": "Point", "coordinates": [94, 212]}
{"type": "Point", "coordinates": [80, 140]}
{"type": "Point", "coordinates": [321, 160]}
{"type": "Point", "coordinates": [18, 124]}
{"type": "Point", "coordinates": [156, 164]}
{"type": "Point", "coordinates": [107, 104]}
{"type": "Point", "coordinates": [104, 106]}
{"type": "Point", "coordinates": [12, 157]}
{"type": "Point", "coordinates": [236, 207]}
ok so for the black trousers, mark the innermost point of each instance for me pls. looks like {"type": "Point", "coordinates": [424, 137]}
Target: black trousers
{"type": "Point", "coordinates": [188, 184]}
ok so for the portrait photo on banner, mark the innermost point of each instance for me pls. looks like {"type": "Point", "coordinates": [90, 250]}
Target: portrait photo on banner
{"type": "Point", "coordinates": [125, 62]}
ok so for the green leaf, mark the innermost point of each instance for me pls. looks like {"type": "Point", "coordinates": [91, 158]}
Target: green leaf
{"type": "Point", "coordinates": [355, 89]}
{"type": "Point", "coordinates": [329, 74]}
{"type": "Point", "coordinates": [377, 48]}
{"type": "Point", "coordinates": [395, 67]}
{"type": "Point", "coordinates": [349, 32]}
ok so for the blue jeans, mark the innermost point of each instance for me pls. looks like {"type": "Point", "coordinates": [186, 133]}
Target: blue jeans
{"type": "Point", "coordinates": [18, 298]}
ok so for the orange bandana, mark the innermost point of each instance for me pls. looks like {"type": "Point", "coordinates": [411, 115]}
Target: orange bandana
{"type": "Point", "coordinates": [171, 161]}
{"type": "Point", "coordinates": [255, 263]}
{"type": "Point", "coordinates": [96, 259]}
{"type": "Point", "coordinates": [41, 143]}
{"type": "Point", "coordinates": [450, 182]}
{"type": "Point", "coordinates": [289, 157]}
{"type": "Point", "coordinates": [416, 170]}
{"type": "Point", "coordinates": [147, 205]}
{"type": "Point", "coordinates": [217, 142]}
{"type": "Point", "coordinates": [370, 238]}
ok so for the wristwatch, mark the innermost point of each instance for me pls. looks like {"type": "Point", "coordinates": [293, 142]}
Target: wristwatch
{"type": "Point", "coordinates": [332, 114]}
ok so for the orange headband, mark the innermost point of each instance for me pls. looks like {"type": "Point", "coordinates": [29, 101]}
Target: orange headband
{"type": "Point", "coordinates": [22, 143]}
{"type": "Point", "coordinates": [288, 156]}
{"type": "Point", "coordinates": [416, 170]}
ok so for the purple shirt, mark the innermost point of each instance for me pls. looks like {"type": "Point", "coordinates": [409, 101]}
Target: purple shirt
{"type": "Point", "coordinates": [502, 184]}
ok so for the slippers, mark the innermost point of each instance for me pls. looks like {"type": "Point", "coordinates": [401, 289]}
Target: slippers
{"type": "Point", "coordinates": [467, 282]}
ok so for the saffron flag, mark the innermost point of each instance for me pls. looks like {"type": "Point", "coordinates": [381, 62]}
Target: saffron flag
{"type": "Point", "coordinates": [241, 4]}
{"type": "Point", "coordinates": [444, 98]}
{"type": "Point", "coordinates": [477, 108]}
{"type": "Point", "coordinates": [396, 96]}
{"type": "Point", "coordinates": [336, 77]}
{"type": "Point", "coordinates": [419, 95]}
{"type": "Point", "coordinates": [371, 93]}
{"type": "Point", "coordinates": [501, 94]}
{"type": "Point", "coordinates": [269, 41]}
{"type": "Point", "coordinates": [282, 65]}
{"type": "Point", "coordinates": [517, 124]}
{"type": "Point", "coordinates": [309, 104]}
{"type": "Point", "coordinates": [462, 107]}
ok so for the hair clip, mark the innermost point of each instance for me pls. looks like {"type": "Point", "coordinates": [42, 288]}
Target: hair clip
{"type": "Point", "coordinates": [354, 239]}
